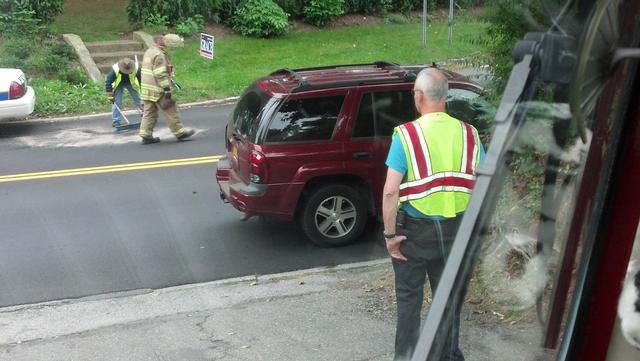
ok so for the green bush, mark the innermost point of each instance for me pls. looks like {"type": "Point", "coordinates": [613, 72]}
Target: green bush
{"type": "Point", "coordinates": [20, 24]}
{"type": "Point", "coordinates": [19, 48]}
{"type": "Point", "coordinates": [50, 60]}
{"type": "Point", "coordinates": [63, 50]}
{"type": "Point", "coordinates": [46, 64]}
{"type": "Point", "coordinates": [320, 12]}
{"type": "Point", "coordinates": [155, 24]}
{"type": "Point", "coordinates": [190, 26]}
{"type": "Point", "coordinates": [174, 11]}
{"type": "Point", "coordinates": [367, 6]}
{"type": "Point", "coordinates": [228, 10]}
{"type": "Point", "coordinates": [43, 10]}
{"type": "Point", "coordinates": [73, 76]}
{"type": "Point", "coordinates": [261, 19]}
{"type": "Point", "coordinates": [293, 7]}
{"type": "Point", "coordinates": [405, 6]}
{"type": "Point", "coordinates": [11, 61]}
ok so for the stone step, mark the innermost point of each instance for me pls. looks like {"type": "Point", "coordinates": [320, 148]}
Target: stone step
{"type": "Point", "coordinates": [114, 46]}
{"type": "Point", "coordinates": [111, 58]}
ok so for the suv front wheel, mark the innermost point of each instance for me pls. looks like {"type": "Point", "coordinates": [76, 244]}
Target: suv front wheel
{"type": "Point", "coordinates": [334, 215]}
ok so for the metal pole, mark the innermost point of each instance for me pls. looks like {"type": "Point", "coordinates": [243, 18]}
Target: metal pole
{"type": "Point", "coordinates": [450, 21]}
{"type": "Point", "coordinates": [424, 23]}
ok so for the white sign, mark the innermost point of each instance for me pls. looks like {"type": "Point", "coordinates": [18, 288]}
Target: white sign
{"type": "Point", "coordinates": [206, 45]}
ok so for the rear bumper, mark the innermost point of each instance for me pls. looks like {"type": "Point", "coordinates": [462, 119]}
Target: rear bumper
{"type": "Point", "coordinates": [18, 108]}
{"type": "Point", "coordinates": [253, 199]}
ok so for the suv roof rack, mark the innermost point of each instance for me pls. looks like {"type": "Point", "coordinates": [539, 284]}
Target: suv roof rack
{"type": "Point", "coordinates": [293, 73]}
{"type": "Point", "coordinates": [303, 85]}
{"type": "Point", "coordinates": [379, 64]}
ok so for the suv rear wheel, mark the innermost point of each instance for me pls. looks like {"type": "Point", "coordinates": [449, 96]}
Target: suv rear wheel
{"type": "Point", "coordinates": [334, 215]}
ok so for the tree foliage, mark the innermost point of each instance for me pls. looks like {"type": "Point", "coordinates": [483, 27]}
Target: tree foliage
{"type": "Point", "coordinates": [508, 21]}
{"type": "Point", "coordinates": [45, 11]}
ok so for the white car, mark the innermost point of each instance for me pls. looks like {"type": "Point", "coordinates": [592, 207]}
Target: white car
{"type": "Point", "coordinates": [17, 99]}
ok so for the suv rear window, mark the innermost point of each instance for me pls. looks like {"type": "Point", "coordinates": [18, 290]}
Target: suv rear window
{"type": "Point", "coordinates": [246, 117]}
{"type": "Point", "coordinates": [302, 120]}
{"type": "Point", "coordinates": [380, 112]}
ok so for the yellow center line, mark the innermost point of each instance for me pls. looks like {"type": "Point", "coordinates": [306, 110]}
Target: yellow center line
{"type": "Point", "coordinates": [109, 168]}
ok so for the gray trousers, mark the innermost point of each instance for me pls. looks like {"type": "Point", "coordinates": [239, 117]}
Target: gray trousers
{"type": "Point", "coordinates": [427, 247]}
{"type": "Point", "coordinates": [150, 118]}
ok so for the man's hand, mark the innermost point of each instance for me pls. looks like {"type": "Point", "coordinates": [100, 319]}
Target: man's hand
{"type": "Point", "coordinates": [393, 247]}
{"type": "Point", "coordinates": [167, 93]}
{"type": "Point", "coordinates": [110, 96]}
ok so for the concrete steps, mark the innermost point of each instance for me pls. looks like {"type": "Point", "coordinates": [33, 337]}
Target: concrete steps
{"type": "Point", "coordinates": [106, 53]}
{"type": "Point", "coordinates": [114, 46]}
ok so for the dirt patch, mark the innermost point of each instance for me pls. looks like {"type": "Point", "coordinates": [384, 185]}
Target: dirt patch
{"type": "Point", "coordinates": [301, 26]}
{"type": "Point", "coordinates": [219, 31]}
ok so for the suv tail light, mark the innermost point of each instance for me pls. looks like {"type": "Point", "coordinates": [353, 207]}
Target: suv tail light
{"type": "Point", "coordinates": [258, 171]}
{"type": "Point", "coordinates": [16, 90]}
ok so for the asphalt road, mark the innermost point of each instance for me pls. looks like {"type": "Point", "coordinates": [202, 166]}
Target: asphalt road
{"type": "Point", "coordinates": [120, 216]}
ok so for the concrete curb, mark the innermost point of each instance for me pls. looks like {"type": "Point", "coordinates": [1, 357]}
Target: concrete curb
{"type": "Point", "coordinates": [52, 320]}
{"type": "Point", "coordinates": [84, 56]}
{"type": "Point", "coordinates": [228, 281]}
{"type": "Point", "coordinates": [213, 102]}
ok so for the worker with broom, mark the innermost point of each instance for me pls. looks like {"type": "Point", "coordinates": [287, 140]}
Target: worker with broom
{"type": "Point", "coordinates": [125, 74]}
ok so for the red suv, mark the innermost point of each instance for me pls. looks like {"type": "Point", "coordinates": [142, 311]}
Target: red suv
{"type": "Point", "coordinates": [310, 144]}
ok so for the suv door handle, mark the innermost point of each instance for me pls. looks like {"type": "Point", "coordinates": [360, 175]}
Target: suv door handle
{"type": "Point", "coordinates": [361, 155]}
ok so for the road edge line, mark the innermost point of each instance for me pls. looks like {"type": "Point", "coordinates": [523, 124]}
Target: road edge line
{"type": "Point", "coordinates": [215, 102]}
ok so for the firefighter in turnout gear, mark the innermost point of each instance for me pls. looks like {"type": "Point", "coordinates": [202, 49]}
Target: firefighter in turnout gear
{"type": "Point", "coordinates": [157, 72]}
{"type": "Point", "coordinates": [125, 74]}
{"type": "Point", "coordinates": [431, 173]}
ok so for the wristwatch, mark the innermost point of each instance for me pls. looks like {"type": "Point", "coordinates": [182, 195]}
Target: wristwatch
{"type": "Point", "coordinates": [388, 236]}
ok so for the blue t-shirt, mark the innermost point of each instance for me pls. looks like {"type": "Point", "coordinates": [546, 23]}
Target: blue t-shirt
{"type": "Point", "coordinates": [398, 161]}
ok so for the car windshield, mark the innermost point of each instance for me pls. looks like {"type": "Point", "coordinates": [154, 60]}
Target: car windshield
{"type": "Point", "coordinates": [337, 180]}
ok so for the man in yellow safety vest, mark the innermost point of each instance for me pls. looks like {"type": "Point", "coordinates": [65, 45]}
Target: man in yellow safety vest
{"type": "Point", "coordinates": [125, 74]}
{"type": "Point", "coordinates": [431, 172]}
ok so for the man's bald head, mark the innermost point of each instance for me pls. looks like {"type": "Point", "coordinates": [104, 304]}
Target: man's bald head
{"type": "Point", "coordinates": [433, 84]}
{"type": "Point", "coordinates": [430, 91]}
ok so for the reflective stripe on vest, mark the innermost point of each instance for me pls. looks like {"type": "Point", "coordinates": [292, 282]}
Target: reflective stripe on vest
{"type": "Point", "coordinates": [422, 181]}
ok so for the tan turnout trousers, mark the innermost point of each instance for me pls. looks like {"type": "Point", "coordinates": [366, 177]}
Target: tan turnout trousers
{"type": "Point", "coordinates": [150, 118]}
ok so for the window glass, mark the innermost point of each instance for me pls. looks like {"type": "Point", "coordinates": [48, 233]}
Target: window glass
{"type": "Point", "coordinates": [247, 115]}
{"type": "Point", "coordinates": [364, 122]}
{"type": "Point", "coordinates": [470, 107]}
{"type": "Point", "coordinates": [300, 120]}
{"type": "Point", "coordinates": [391, 109]}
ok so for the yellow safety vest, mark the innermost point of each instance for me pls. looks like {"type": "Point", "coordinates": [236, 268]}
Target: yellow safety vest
{"type": "Point", "coordinates": [132, 77]}
{"type": "Point", "coordinates": [442, 154]}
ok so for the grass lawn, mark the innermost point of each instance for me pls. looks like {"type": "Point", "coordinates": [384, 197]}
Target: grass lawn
{"type": "Point", "coordinates": [239, 60]}
{"type": "Point", "coordinates": [93, 19]}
